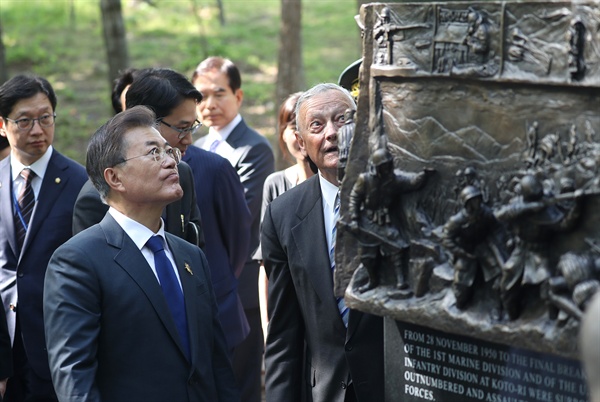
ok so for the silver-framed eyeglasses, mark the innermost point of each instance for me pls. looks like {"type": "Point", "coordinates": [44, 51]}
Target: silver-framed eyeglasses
{"type": "Point", "coordinates": [46, 120]}
{"type": "Point", "coordinates": [158, 154]}
{"type": "Point", "coordinates": [183, 131]}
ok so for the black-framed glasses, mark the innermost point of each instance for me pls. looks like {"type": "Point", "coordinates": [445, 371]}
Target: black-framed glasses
{"type": "Point", "coordinates": [46, 120]}
{"type": "Point", "coordinates": [183, 131]}
{"type": "Point", "coordinates": [158, 154]}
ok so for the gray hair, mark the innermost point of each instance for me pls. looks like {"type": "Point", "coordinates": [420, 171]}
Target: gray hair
{"type": "Point", "coordinates": [316, 90]}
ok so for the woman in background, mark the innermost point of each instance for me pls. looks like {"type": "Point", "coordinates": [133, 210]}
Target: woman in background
{"type": "Point", "coordinates": [281, 181]}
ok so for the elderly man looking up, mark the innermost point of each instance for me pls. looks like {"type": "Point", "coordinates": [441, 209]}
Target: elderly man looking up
{"type": "Point", "coordinates": [343, 356]}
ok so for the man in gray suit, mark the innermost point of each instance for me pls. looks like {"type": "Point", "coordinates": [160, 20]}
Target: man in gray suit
{"type": "Point", "coordinates": [315, 347]}
{"type": "Point", "coordinates": [250, 153]}
{"type": "Point", "coordinates": [129, 309]}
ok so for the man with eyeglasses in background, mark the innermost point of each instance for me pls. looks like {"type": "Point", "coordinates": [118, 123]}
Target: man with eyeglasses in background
{"type": "Point", "coordinates": [251, 155]}
{"type": "Point", "coordinates": [38, 188]}
{"type": "Point", "coordinates": [182, 217]}
{"type": "Point", "coordinates": [219, 193]}
{"type": "Point", "coordinates": [130, 313]}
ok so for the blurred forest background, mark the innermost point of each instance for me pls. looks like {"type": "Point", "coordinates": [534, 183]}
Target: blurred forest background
{"type": "Point", "coordinates": [63, 40]}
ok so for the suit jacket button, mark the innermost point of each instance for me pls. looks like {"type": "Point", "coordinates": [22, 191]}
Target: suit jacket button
{"type": "Point", "coordinates": [348, 348]}
{"type": "Point", "coordinates": [20, 274]}
{"type": "Point", "coordinates": [344, 386]}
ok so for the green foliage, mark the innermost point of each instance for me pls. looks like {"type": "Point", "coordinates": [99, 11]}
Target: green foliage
{"type": "Point", "coordinates": [62, 41]}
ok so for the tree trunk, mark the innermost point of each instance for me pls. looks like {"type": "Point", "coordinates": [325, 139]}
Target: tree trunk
{"type": "Point", "coordinates": [221, 12]}
{"type": "Point", "coordinates": [72, 19]}
{"type": "Point", "coordinates": [114, 38]}
{"type": "Point", "coordinates": [290, 68]}
{"type": "Point", "coordinates": [3, 67]}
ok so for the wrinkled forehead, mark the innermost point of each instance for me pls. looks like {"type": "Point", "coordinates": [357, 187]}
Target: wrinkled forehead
{"type": "Point", "coordinates": [143, 136]}
{"type": "Point", "coordinates": [325, 104]}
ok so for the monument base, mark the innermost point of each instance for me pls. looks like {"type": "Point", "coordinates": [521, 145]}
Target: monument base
{"type": "Point", "coordinates": [425, 364]}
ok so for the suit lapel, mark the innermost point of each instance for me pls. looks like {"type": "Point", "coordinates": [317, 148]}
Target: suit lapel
{"type": "Point", "coordinates": [55, 181]}
{"type": "Point", "coordinates": [311, 242]}
{"type": "Point", "coordinates": [235, 141]}
{"type": "Point", "coordinates": [131, 260]}
{"type": "Point", "coordinates": [6, 207]}
{"type": "Point", "coordinates": [236, 134]}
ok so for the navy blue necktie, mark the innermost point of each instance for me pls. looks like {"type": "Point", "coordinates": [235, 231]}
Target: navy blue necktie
{"type": "Point", "coordinates": [171, 289]}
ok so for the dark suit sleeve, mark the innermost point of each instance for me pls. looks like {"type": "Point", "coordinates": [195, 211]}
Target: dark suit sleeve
{"type": "Point", "coordinates": [6, 369]}
{"type": "Point", "coordinates": [233, 216]}
{"type": "Point", "coordinates": [284, 353]}
{"type": "Point", "coordinates": [88, 209]}
{"type": "Point", "coordinates": [267, 197]}
{"type": "Point", "coordinates": [224, 379]}
{"type": "Point", "coordinates": [194, 230]}
{"type": "Point", "coordinates": [72, 313]}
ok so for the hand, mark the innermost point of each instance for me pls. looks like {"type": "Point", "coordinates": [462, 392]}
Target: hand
{"type": "Point", "coordinates": [353, 227]}
{"type": "Point", "coordinates": [535, 206]}
{"type": "Point", "coordinates": [3, 388]}
{"type": "Point", "coordinates": [392, 233]}
{"type": "Point", "coordinates": [466, 255]}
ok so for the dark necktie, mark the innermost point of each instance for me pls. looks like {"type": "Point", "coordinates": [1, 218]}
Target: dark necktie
{"type": "Point", "coordinates": [171, 289]}
{"type": "Point", "coordinates": [24, 206]}
{"type": "Point", "coordinates": [336, 216]}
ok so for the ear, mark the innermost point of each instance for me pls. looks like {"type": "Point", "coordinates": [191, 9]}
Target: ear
{"type": "Point", "coordinates": [2, 128]}
{"type": "Point", "coordinates": [113, 179]}
{"type": "Point", "coordinates": [300, 141]}
{"type": "Point", "coordinates": [239, 96]}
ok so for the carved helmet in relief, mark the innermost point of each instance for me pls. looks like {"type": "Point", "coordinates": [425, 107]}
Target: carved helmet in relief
{"type": "Point", "coordinates": [468, 193]}
{"type": "Point", "coordinates": [531, 188]}
{"type": "Point", "coordinates": [381, 156]}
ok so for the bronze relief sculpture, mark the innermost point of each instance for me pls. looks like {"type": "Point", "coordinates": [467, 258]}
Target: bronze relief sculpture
{"type": "Point", "coordinates": [501, 100]}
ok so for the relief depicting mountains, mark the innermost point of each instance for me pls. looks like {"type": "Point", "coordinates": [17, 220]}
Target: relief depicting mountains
{"type": "Point", "coordinates": [427, 139]}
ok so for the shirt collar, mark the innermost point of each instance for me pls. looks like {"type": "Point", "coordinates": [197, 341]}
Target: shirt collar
{"type": "Point", "coordinates": [139, 233]}
{"type": "Point", "coordinates": [223, 133]}
{"type": "Point", "coordinates": [38, 167]}
{"type": "Point", "coordinates": [329, 192]}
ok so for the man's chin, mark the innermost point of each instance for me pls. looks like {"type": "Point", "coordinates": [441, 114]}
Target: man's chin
{"type": "Point", "coordinates": [176, 194]}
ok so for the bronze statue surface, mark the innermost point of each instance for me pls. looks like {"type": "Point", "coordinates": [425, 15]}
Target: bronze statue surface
{"type": "Point", "coordinates": [502, 101]}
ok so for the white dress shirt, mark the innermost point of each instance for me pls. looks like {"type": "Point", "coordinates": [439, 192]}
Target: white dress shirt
{"type": "Point", "coordinates": [140, 235]}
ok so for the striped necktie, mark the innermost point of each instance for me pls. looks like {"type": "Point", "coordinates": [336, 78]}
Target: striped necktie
{"type": "Point", "coordinates": [336, 216]}
{"type": "Point", "coordinates": [24, 206]}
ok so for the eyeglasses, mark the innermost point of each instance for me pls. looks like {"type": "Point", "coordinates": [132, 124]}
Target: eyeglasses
{"type": "Point", "coordinates": [46, 120]}
{"type": "Point", "coordinates": [183, 131]}
{"type": "Point", "coordinates": [158, 154]}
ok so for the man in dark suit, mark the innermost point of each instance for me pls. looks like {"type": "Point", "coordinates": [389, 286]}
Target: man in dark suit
{"type": "Point", "coordinates": [116, 330]}
{"type": "Point", "coordinates": [182, 217]}
{"type": "Point", "coordinates": [251, 155]}
{"type": "Point", "coordinates": [35, 219]}
{"type": "Point", "coordinates": [220, 195]}
{"type": "Point", "coordinates": [311, 349]}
